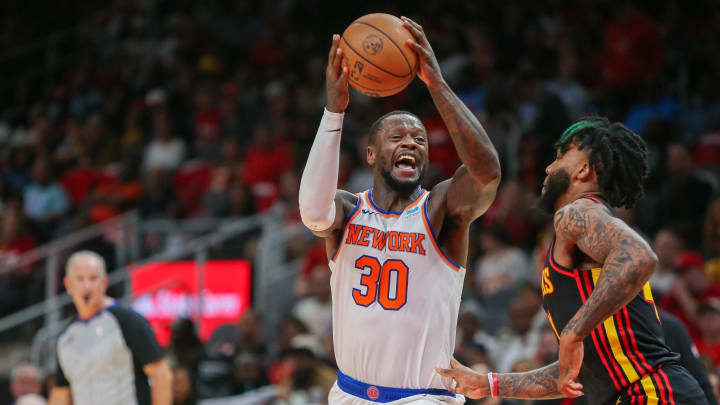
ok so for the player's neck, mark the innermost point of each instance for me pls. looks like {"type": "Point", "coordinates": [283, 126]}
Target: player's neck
{"type": "Point", "coordinates": [567, 198]}
{"type": "Point", "coordinates": [390, 199]}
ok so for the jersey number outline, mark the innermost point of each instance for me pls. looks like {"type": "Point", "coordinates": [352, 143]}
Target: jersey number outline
{"type": "Point", "coordinates": [379, 278]}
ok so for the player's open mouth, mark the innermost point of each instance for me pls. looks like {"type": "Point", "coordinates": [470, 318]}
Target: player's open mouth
{"type": "Point", "coordinates": [405, 164]}
{"type": "Point", "coordinates": [87, 297]}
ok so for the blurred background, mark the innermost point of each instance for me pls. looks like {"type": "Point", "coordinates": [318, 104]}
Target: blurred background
{"type": "Point", "coordinates": [170, 136]}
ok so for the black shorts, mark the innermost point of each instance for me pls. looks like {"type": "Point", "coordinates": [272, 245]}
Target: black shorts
{"type": "Point", "coordinates": [669, 384]}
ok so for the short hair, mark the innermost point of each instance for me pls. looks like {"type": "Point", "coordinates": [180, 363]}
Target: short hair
{"type": "Point", "coordinates": [617, 154]}
{"type": "Point", "coordinates": [15, 371]}
{"type": "Point", "coordinates": [375, 127]}
{"type": "Point", "coordinates": [86, 255]}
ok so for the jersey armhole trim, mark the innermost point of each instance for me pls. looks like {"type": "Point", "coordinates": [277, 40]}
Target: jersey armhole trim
{"type": "Point", "coordinates": [555, 265]}
{"type": "Point", "coordinates": [354, 214]}
{"type": "Point", "coordinates": [429, 229]}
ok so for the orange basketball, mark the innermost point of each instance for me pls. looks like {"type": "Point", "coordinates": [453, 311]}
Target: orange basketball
{"type": "Point", "coordinates": [376, 53]}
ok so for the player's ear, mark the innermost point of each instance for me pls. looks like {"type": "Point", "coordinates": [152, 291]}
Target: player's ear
{"type": "Point", "coordinates": [371, 155]}
{"type": "Point", "coordinates": [584, 171]}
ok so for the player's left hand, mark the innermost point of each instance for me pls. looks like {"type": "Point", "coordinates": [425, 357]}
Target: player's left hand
{"type": "Point", "coordinates": [570, 360]}
{"type": "Point", "coordinates": [429, 71]}
{"type": "Point", "coordinates": [469, 383]}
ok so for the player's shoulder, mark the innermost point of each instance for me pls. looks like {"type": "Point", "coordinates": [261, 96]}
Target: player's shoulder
{"type": "Point", "coordinates": [576, 218]}
{"type": "Point", "coordinates": [580, 208]}
{"type": "Point", "coordinates": [65, 331]}
{"type": "Point", "coordinates": [348, 198]}
{"type": "Point", "coordinates": [437, 194]}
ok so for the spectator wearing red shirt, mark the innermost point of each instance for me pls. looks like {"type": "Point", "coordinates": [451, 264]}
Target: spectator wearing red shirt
{"type": "Point", "coordinates": [14, 241]}
{"type": "Point", "coordinates": [208, 120]}
{"type": "Point", "coordinates": [315, 260]}
{"type": "Point", "coordinates": [708, 344]}
{"type": "Point", "coordinates": [14, 237]}
{"type": "Point", "coordinates": [267, 158]}
{"type": "Point", "coordinates": [443, 151]}
{"type": "Point", "coordinates": [118, 194]}
{"type": "Point", "coordinates": [632, 48]}
{"type": "Point", "coordinates": [691, 289]}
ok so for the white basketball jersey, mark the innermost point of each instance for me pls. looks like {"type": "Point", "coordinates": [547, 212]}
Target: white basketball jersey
{"type": "Point", "coordinates": [395, 298]}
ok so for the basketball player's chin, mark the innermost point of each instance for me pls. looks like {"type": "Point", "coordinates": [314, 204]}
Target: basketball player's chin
{"type": "Point", "coordinates": [406, 174]}
{"type": "Point", "coordinates": [544, 206]}
{"type": "Point", "coordinates": [404, 186]}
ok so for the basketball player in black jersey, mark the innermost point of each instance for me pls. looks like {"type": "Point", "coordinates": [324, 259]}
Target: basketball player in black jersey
{"type": "Point", "coordinates": [595, 285]}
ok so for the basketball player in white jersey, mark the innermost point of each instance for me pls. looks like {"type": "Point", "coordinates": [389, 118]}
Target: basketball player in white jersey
{"type": "Point", "coordinates": [397, 252]}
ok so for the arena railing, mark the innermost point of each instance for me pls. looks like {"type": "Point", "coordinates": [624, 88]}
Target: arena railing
{"type": "Point", "coordinates": [124, 233]}
{"type": "Point", "coordinates": [272, 273]}
{"type": "Point", "coordinates": [42, 352]}
{"type": "Point", "coordinates": [122, 228]}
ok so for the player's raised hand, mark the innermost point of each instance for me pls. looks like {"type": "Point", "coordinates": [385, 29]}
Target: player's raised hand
{"type": "Point", "coordinates": [469, 383]}
{"type": "Point", "coordinates": [429, 68]}
{"type": "Point", "coordinates": [336, 79]}
{"type": "Point", "coordinates": [570, 360]}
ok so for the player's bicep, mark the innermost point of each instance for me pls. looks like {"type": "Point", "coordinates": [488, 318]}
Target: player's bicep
{"type": "Point", "coordinates": [345, 203]}
{"type": "Point", "coordinates": [468, 198]}
{"type": "Point", "coordinates": [597, 233]}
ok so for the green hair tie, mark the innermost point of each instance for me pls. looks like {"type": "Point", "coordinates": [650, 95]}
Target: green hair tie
{"type": "Point", "coordinates": [572, 129]}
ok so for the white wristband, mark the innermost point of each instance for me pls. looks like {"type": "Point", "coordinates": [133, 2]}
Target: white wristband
{"type": "Point", "coordinates": [490, 384]}
{"type": "Point", "coordinates": [493, 381]}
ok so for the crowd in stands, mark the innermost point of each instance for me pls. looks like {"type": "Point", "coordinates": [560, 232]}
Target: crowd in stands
{"type": "Point", "coordinates": [182, 109]}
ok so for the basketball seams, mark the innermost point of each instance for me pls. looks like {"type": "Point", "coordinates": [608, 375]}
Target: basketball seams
{"type": "Point", "coordinates": [402, 86]}
{"type": "Point", "coordinates": [371, 63]}
{"type": "Point", "coordinates": [391, 40]}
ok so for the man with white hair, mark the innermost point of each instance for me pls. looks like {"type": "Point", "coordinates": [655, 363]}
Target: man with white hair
{"type": "Point", "coordinates": [108, 353]}
{"type": "Point", "coordinates": [25, 378]}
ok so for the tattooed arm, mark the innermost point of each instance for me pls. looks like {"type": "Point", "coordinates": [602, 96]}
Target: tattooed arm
{"type": "Point", "coordinates": [627, 264]}
{"type": "Point", "coordinates": [472, 189]}
{"type": "Point", "coordinates": [534, 384]}
{"type": "Point", "coordinates": [455, 203]}
{"type": "Point", "coordinates": [628, 261]}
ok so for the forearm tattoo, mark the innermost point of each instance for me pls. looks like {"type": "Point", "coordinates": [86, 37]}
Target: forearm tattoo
{"type": "Point", "coordinates": [535, 384]}
{"type": "Point", "coordinates": [471, 142]}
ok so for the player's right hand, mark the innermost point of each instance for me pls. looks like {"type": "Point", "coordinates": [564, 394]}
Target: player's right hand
{"type": "Point", "coordinates": [336, 79]}
{"type": "Point", "coordinates": [469, 383]}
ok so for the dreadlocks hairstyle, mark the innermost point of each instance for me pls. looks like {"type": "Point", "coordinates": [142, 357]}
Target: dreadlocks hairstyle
{"type": "Point", "coordinates": [375, 127]}
{"type": "Point", "coordinates": [618, 155]}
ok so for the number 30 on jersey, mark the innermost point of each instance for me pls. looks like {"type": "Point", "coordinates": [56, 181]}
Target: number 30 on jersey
{"type": "Point", "coordinates": [378, 282]}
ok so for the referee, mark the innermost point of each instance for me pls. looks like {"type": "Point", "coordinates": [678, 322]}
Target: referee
{"type": "Point", "coordinates": [108, 353]}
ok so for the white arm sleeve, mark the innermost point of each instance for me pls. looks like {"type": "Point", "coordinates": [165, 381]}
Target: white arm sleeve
{"type": "Point", "coordinates": [320, 177]}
